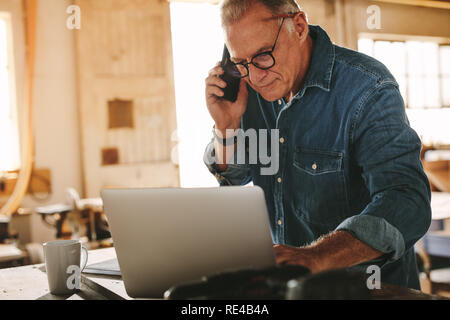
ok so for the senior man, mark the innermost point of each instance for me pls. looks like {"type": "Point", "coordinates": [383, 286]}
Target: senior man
{"type": "Point", "coordinates": [350, 190]}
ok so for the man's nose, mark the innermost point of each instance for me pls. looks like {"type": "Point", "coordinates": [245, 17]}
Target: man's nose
{"type": "Point", "coordinates": [256, 74]}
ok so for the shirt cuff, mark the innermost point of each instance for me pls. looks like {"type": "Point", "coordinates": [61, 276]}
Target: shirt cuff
{"type": "Point", "coordinates": [377, 233]}
{"type": "Point", "coordinates": [235, 174]}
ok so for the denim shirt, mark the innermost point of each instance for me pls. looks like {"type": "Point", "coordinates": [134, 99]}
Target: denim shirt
{"type": "Point", "coordinates": [348, 160]}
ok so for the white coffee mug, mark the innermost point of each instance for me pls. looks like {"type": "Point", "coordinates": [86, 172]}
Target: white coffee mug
{"type": "Point", "coordinates": [62, 263]}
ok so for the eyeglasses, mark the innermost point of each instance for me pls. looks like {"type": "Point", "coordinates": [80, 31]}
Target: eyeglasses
{"type": "Point", "coordinates": [264, 60]}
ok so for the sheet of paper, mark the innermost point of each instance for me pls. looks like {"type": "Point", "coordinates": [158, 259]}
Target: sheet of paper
{"type": "Point", "coordinates": [109, 267]}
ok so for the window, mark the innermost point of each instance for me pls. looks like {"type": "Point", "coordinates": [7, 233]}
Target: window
{"type": "Point", "coordinates": [197, 46]}
{"type": "Point", "coordinates": [9, 140]}
{"type": "Point", "coordinates": [422, 70]}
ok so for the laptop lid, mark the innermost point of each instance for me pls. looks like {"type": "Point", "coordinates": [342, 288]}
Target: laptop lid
{"type": "Point", "coordinates": [165, 237]}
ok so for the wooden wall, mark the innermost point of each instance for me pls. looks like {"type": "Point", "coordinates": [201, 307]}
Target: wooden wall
{"type": "Point", "coordinates": [124, 52]}
{"type": "Point", "coordinates": [345, 20]}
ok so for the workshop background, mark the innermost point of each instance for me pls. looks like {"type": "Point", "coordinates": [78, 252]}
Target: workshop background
{"type": "Point", "coordinates": [110, 93]}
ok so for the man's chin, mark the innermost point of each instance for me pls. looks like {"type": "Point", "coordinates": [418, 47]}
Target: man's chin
{"type": "Point", "coordinates": [270, 92]}
{"type": "Point", "coordinates": [270, 96]}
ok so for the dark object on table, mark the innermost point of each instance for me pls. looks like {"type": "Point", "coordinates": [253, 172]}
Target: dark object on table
{"type": "Point", "coordinates": [340, 284]}
{"type": "Point", "coordinates": [4, 233]}
{"type": "Point", "coordinates": [268, 283]}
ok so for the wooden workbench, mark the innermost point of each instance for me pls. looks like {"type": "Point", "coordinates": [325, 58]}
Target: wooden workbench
{"type": "Point", "coordinates": [438, 173]}
{"type": "Point", "coordinates": [30, 283]}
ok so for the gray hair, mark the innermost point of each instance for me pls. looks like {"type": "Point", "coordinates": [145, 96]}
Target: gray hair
{"type": "Point", "coordinates": [234, 10]}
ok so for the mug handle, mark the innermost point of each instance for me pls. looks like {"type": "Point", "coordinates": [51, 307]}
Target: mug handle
{"type": "Point", "coordinates": [83, 248]}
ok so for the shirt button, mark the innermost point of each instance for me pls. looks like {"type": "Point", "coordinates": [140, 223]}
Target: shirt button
{"type": "Point", "coordinates": [279, 180]}
{"type": "Point", "coordinates": [280, 222]}
{"type": "Point", "coordinates": [314, 166]}
{"type": "Point", "coordinates": [282, 140]}
{"type": "Point", "coordinates": [280, 102]}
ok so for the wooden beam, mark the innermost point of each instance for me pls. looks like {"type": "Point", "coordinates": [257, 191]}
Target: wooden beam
{"type": "Point", "coordinates": [438, 173]}
{"type": "Point", "coordinates": [40, 182]}
{"type": "Point", "coordinates": [13, 203]}
{"type": "Point", "coordinates": [379, 36]}
{"type": "Point", "coordinates": [420, 3]}
{"type": "Point", "coordinates": [197, 1]}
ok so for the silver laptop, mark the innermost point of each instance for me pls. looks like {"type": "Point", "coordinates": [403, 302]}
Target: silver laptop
{"type": "Point", "coordinates": [165, 237]}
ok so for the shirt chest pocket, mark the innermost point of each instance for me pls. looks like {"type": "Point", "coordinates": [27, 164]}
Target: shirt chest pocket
{"type": "Point", "coordinates": [319, 186]}
{"type": "Point", "coordinates": [317, 162]}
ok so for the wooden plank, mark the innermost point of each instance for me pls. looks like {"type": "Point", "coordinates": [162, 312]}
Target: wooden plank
{"type": "Point", "coordinates": [438, 173]}
{"type": "Point", "coordinates": [30, 283]}
{"type": "Point", "coordinates": [23, 283]}
{"type": "Point", "coordinates": [420, 3]}
{"type": "Point", "coordinates": [440, 179]}
{"type": "Point", "coordinates": [440, 165]}
{"type": "Point", "coordinates": [85, 293]}
{"type": "Point", "coordinates": [40, 182]}
{"type": "Point", "coordinates": [124, 51]}
{"type": "Point", "coordinates": [197, 1]}
{"type": "Point", "coordinates": [10, 252]}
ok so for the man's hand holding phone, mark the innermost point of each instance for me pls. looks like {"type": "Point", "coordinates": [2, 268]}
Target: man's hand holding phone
{"type": "Point", "coordinates": [226, 98]}
{"type": "Point", "coordinates": [226, 114]}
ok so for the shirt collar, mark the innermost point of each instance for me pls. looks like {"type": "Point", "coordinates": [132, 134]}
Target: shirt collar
{"type": "Point", "coordinates": [322, 61]}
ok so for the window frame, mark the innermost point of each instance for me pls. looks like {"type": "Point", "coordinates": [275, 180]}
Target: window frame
{"type": "Point", "coordinates": [11, 70]}
{"type": "Point", "coordinates": [441, 41]}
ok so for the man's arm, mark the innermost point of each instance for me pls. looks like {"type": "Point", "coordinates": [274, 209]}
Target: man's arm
{"type": "Point", "coordinates": [232, 174]}
{"type": "Point", "coordinates": [387, 151]}
{"type": "Point", "coordinates": [338, 249]}
{"type": "Point", "coordinates": [226, 115]}
{"type": "Point", "coordinates": [223, 153]}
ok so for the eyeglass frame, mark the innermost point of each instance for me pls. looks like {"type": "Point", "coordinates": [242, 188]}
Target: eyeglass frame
{"type": "Point", "coordinates": [268, 52]}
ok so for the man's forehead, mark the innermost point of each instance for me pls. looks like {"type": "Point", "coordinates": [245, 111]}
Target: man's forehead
{"type": "Point", "coordinates": [251, 32]}
{"type": "Point", "coordinates": [246, 38]}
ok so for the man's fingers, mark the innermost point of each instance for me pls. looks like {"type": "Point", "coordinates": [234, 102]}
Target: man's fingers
{"type": "Point", "coordinates": [215, 72]}
{"type": "Point", "coordinates": [215, 81]}
{"type": "Point", "coordinates": [213, 90]}
{"type": "Point", "coordinates": [214, 85]}
{"type": "Point", "coordinates": [280, 251]}
{"type": "Point", "coordinates": [283, 254]}
{"type": "Point", "coordinates": [282, 259]}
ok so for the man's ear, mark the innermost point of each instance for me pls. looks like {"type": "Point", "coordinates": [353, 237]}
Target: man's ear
{"type": "Point", "coordinates": [301, 25]}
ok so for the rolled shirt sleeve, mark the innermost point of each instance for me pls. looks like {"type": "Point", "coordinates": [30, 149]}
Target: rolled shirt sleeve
{"type": "Point", "coordinates": [377, 233]}
{"type": "Point", "coordinates": [387, 150]}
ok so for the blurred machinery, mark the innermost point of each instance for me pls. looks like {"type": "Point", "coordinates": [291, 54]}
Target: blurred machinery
{"type": "Point", "coordinates": [77, 218]}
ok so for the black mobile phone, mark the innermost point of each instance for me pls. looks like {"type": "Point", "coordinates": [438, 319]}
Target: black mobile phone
{"type": "Point", "coordinates": [230, 76]}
